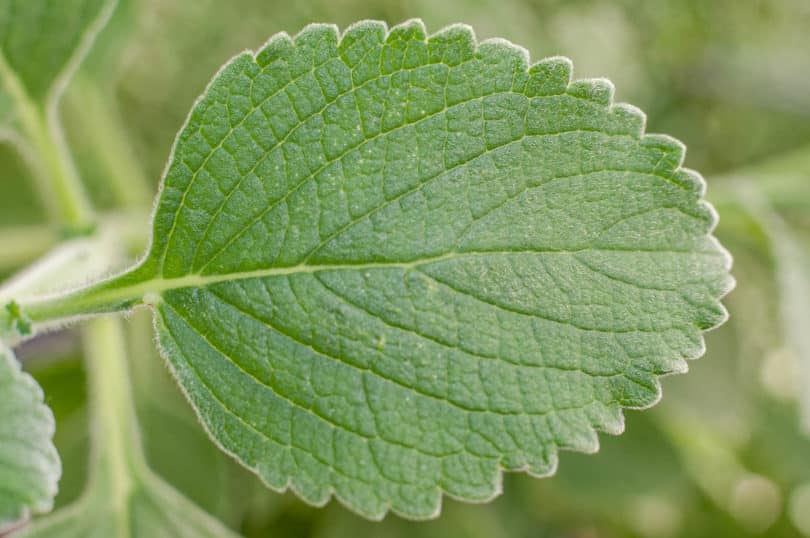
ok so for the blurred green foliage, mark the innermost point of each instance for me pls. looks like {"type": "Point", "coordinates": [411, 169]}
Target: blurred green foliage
{"type": "Point", "coordinates": [722, 455]}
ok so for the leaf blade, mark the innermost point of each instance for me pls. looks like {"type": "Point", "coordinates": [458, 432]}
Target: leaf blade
{"type": "Point", "coordinates": [42, 42]}
{"type": "Point", "coordinates": [30, 464]}
{"type": "Point", "coordinates": [384, 252]}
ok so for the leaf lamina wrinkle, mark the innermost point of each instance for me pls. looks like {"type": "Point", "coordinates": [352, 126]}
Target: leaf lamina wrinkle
{"type": "Point", "coordinates": [388, 266]}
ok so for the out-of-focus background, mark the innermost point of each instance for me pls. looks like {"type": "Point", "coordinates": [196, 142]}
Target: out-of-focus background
{"type": "Point", "coordinates": [727, 451]}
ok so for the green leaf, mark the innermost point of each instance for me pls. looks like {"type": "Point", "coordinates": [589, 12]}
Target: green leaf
{"type": "Point", "coordinates": [29, 464]}
{"type": "Point", "coordinates": [42, 44]}
{"type": "Point", "coordinates": [790, 250]}
{"type": "Point", "coordinates": [42, 41]}
{"type": "Point", "coordinates": [386, 267]}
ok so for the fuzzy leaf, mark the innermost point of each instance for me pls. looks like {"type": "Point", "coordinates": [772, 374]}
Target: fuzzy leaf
{"type": "Point", "coordinates": [29, 464]}
{"type": "Point", "coordinates": [387, 266]}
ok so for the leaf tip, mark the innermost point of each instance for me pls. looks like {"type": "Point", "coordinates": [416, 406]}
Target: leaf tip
{"type": "Point", "coordinates": [669, 152]}
{"type": "Point", "coordinates": [498, 46]}
{"type": "Point", "coordinates": [550, 76]}
{"type": "Point", "coordinates": [596, 90]}
{"type": "Point", "coordinates": [409, 29]}
{"type": "Point", "coordinates": [279, 46]}
{"type": "Point", "coordinates": [315, 33]}
{"type": "Point", "coordinates": [365, 26]}
{"type": "Point", "coordinates": [632, 118]}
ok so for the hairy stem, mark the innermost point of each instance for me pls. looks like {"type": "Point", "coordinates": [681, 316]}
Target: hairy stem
{"type": "Point", "coordinates": [102, 127]}
{"type": "Point", "coordinates": [140, 286]}
{"type": "Point", "coordinates": [115, 438]}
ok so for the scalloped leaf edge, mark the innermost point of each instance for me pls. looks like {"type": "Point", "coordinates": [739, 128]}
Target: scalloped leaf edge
{"type": "Point", "coordinates": [558, 71]}
{"type": "Point", "coordinates": [53, 475]}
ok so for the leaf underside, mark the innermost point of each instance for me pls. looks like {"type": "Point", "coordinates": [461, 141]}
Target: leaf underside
{"type": "Point", "coordinates": [391, 266]}
{"type": "Point", "coordinates": [29, 463]}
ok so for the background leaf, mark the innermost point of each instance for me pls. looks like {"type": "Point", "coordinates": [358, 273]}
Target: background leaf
{"type": "Point", "coordinates": [39, 39]}
{"type": "Point", "coordinates": [29, 464]}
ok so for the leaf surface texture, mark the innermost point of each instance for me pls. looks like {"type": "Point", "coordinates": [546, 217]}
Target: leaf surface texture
{"type": "Point", "coordinates": [29, 464]}
{"type": "Point", "coordinates": [388, 266]}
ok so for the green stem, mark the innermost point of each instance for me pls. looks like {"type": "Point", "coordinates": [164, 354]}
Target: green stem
{"type": "Point", "coordinates": [115, 439]}
{"type": "Point", "coordinates": [101, 126]}
{"type": "Point", "coordinates": [141, 286]}
{"type": "Point", "coordinates": [64, 194]}
{"type": "Point", "coordinates": [104, 297]}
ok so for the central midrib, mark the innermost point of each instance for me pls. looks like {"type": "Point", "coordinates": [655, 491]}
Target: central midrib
{"type": "Point", "coordinates": [126, 290]}
{"type": "Point", "coordinates": [150, 291]}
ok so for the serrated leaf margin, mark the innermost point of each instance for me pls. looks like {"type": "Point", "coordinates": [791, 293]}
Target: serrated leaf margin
{"type": "Point", "coordinates": [600, 91]}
